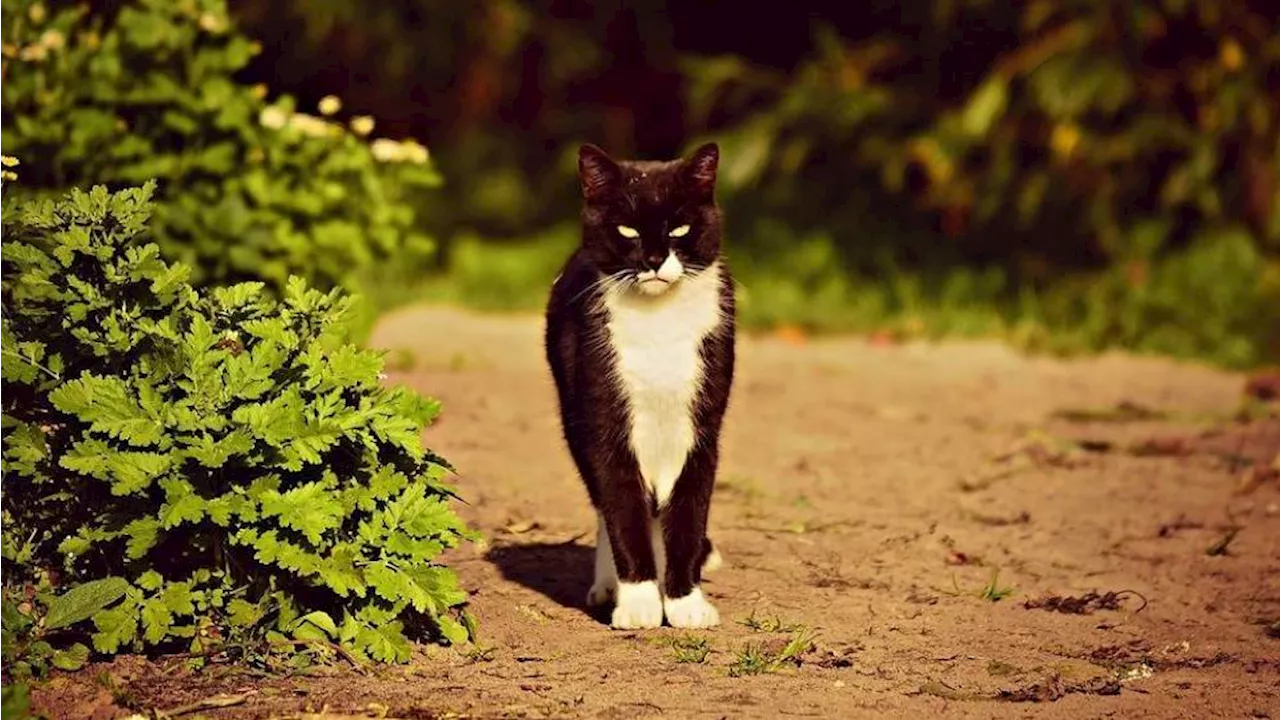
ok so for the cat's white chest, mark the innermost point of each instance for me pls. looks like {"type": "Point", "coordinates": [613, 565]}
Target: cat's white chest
{"type": "Point", "coordinates": [657, 343]}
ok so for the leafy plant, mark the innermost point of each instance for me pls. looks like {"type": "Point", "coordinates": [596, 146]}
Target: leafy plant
{"type": "Point", "coordinates": [32, 618]}
{"type": "Point", "coordinates": [216, 471]}
{"type": "Point", "coordinates": [249, 189]}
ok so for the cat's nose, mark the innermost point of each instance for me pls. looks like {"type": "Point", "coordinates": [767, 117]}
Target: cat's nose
{"type": "Point", "coordinates": [653, 262]}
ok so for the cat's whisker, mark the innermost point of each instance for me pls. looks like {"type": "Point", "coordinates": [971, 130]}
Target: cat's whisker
{"type": "Point", "coordinates": [598, 284]}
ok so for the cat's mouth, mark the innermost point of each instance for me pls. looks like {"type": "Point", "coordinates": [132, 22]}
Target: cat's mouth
{"type": "Point", "coordinates": [651, 283]}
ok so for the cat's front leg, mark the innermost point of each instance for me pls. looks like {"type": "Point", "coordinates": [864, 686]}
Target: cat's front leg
{"type": "Point", "coordinates": [625, 508]}
{"type": "Point", "coordinates": [684, 526]}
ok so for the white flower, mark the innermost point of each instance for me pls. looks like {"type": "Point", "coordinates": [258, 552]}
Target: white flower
{"type": "Point", "coordinates": [53, 39]}
{"type": "Point", "coordinates": [273, 117]}
{"type": "Point", "coordinates": [310, 125]}
{"type": "Point", "coordinates": [329, 105]}
{"type": "Point", "coordinates": [34, 53]}
{"type": "Point", "coordinates": [416, 152]}
{"type": "Point", "coordinates": [362, 125]}
{"type": "Point", "coordinates": [211, 23]}
{"type": "Point", "coordinates": [386, 150]}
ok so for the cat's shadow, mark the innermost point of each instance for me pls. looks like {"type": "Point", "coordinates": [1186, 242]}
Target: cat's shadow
{"type": "Point", "coordinates": [560, 571]}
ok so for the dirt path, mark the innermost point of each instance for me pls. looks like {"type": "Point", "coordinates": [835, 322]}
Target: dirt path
{"type": "Point", "coordinates": [862, 496]}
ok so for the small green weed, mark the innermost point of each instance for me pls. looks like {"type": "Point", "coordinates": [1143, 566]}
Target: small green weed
{"type": "Point", "coordinates": [690, 649]}
{"type": "Point", "coordinates": [991, 592]}
{"type": "Point", "coordinates": [479, 654]}
{"type": "Point", "coordinates": [756, 658]}
{"type": "Point", "coordinates": [773, 624]}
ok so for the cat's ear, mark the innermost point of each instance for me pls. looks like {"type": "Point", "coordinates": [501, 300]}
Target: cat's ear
{"type": "Point", "coordinates": [597, 172]}
{"type": "Point", "coordinates": [700, 168]}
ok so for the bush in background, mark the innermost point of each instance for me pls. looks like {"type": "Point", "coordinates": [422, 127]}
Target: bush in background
{"type": "Point", "coordinates": [247, 189]}
{"type": "Point", "coordinates": [215, 472]}
{"type": "Point", "coordinates": [1074, 175]}
{"type": "Point", "coordinates": [1117, 169]}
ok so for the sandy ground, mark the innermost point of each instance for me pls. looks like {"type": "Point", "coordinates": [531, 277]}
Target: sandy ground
{"type": "Point", "coordinates": [868, 493]}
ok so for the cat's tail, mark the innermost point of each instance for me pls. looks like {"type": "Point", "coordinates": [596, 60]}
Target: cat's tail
{"type": "Point", "coordinates": [711, 559]}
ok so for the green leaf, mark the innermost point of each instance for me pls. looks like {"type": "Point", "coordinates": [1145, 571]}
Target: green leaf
{"type": "Point", "coordinates": [179, 599]}
{"type": "Point", "coordinates": [73, 658]}
{"type": "Point", "coordinates": [385, 643]}
{"type": "Point", "coordinates": [985, 106]}
{"type": "Point", "coordinates": [182, 508]}
{"type": "Point", "coordinates": [15, 701]}
{"type": "Point", "coordinates": [143, 534]}
{"type": "Point", "coordinates": [127, 471]}
{"type": "Point", "coordinates": [453, 631]}
{"type": "Point", "coordinates": [83, 601]}
{"type": "Point", "coordinates": [150, 580]}
{"type": "Point", "coordinates": [243, 614]}
{"type": "Point", "coordinates": [116, 628]}
{"type": "Point", "coordinates": [215, 453]}
{"type": "Point", "coordinates": [310, 509]}
{"type": "Point", "coordinates": [156, 620]}
{"type": "Point", "coordinates": [105, 402]}
{"type": "Point", "coordinates": [320, 620]}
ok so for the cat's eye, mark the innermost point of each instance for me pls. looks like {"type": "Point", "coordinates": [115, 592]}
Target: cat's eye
{"type": "Point", "coordinates": [680, 231]}
{"type": "Point", "coordinates": [628, 232]}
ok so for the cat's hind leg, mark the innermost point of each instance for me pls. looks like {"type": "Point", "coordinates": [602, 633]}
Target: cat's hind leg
{"type": "Point", "coordinates": [604, 588]}
{"type": "Point", "coordinates": [711, 558]}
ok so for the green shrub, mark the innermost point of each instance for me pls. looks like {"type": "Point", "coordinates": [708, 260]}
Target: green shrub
{"type": "Point", "coordinates": [215, 471]}
{"type": "Point", "coordinates": [248, 189]}
{"type": "Point", "coordinates": [1118, 169]}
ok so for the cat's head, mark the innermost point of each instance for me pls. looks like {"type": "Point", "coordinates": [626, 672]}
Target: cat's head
{"type": "Point", "coordinates": [650, 224]}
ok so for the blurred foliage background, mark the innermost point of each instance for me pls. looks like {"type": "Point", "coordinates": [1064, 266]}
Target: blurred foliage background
{"type": "Point", "coordinates": [1067, 174]}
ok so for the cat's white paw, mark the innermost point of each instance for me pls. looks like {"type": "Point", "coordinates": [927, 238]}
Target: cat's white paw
{"type": "Point", "coordinates": [639, 606]}
{"type": "Point", "coordinates": [691, 611]}
{"type": "Point", "coordinates": [602, 593]}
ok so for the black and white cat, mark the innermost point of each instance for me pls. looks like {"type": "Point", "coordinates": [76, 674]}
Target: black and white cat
{"type": "Point", "coordinates": [640, 339]}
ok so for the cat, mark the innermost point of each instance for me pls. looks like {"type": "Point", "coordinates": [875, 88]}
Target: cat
{"type": "Point", "coordinates": [639, 336]}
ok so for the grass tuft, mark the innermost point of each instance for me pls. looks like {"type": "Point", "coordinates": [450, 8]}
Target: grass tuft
{"type": "Point", "coordinates": [755, 658]}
